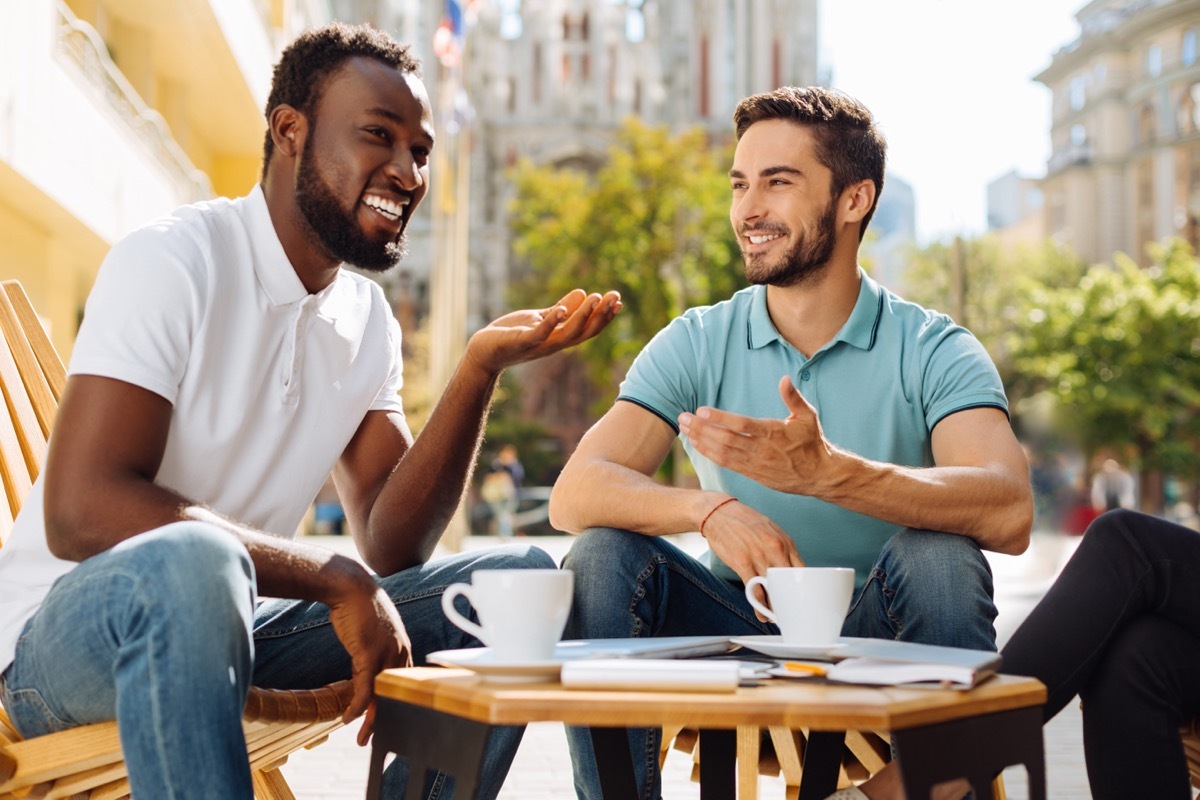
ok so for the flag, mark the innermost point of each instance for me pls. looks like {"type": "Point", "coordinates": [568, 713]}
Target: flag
{"type": "Point", "coordinates": [448, 38]}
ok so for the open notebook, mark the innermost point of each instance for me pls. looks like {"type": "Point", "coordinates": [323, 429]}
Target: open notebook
{"type": "Point", "coordinates": [887, 662]}
{"type": "Point", "coordinates": [647, 647]}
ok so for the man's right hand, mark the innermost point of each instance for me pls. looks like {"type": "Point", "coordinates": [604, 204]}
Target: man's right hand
{"type": "Point", "coordinates": [748, 542]}
{"type": "Point", "coordinates": [369, 627]}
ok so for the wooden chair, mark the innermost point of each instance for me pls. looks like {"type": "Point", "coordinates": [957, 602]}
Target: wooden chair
{"type": "Point", "coordinates": [1191, 749]}
{"type": "Point", "coordinates": [86, 762]}
{"type": "Point", "coordinates": [776, 750]}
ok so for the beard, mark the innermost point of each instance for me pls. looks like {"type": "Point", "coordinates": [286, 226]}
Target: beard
{"type": "Point", "coordinates": [804, 262]}
{"type": "Point", "coordinates": [337, 228]}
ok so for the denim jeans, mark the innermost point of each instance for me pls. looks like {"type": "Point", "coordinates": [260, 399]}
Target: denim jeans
{"type": "Point", "coordinates": [1120, 628]}
{"type": "Point", "coordinates": [163, 634]}
{"type": "Point", "coordinates": [928, 587]}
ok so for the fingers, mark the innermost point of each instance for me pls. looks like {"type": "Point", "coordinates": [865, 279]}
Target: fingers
{"type": "Point", "coordinates": [364, 693]}
{"type": "Point", "coordinates": [795, 402]}
{"type": "Point", "coordinates": [368, 726]}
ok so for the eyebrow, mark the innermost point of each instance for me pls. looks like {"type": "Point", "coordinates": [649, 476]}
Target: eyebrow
{"type": "Point", "coordinates": [769, 171]}
{"type": "Point", "coordinates": [395, 118]}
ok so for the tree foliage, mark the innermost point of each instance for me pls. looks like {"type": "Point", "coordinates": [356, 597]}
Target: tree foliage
{"type": "Point", "coordinates": [1120, 355]}
{"type": "Point", "coordinates": [652, 222]}
{"type": "Point", "coordinates": [981, 283]}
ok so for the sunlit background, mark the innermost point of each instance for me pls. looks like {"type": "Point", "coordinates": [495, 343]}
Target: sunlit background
{"type": "Point", "coordinates": [1044, 185]}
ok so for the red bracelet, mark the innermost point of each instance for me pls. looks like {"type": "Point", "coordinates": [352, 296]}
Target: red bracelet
{"type": "Point", "coordinates": [726, 501]}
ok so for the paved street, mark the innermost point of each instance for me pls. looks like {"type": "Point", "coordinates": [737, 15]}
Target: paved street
{"type": "Point", "coordinates": [337, 769]}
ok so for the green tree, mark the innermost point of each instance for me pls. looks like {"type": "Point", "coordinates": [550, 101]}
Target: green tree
{"type": "Point", "coordinates": [1119, 354]}
{"type": "Point", "coordinates": [652, 222]}
{"type": "Point", "coordinates": [981, 283]}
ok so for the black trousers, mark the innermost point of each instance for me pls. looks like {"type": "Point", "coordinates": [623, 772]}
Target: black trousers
{"type": "Point", "coordinates": [1121, 629]}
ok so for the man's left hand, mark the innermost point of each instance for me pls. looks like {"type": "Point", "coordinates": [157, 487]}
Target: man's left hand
{"type": "Point", "coordinates": [788, 455]}
{"type": "Point", "coordinates": [528, 335]}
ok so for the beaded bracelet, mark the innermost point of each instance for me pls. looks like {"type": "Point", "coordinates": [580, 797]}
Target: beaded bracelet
{"type": "Point", "coordinates": [726, 501]}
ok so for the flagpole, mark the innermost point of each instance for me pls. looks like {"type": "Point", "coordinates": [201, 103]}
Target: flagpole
{"type": "Point", "coordinates": [448, 283]}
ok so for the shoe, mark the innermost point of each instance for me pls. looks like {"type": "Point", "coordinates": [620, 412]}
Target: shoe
{"type": "Point", "coordinates": [853, 793]}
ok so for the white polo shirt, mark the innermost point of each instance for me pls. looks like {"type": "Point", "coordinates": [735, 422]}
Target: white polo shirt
{"type": "Point", "coordinates": [268, 383]}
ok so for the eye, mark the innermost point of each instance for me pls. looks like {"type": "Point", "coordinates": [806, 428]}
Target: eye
{"type": "Point", "coordinates": [738, 186]}
{"type": "Point", "coordinates": [420, 155]}
{"type": "Point", "coordinates": [379, 133]}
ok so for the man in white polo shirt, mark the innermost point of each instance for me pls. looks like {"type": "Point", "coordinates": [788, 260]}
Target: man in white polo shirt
{"type": "Point", "coordinates": [226, 364]}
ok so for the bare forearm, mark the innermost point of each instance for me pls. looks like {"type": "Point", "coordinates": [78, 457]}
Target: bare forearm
{"type": "Point", "coordinates": [605, 494]}
{"type": "Point", "coordinates": [423, 492]}
{"type": "Point", "coordinates": [987, 504]}
{"type": "Point", "coordinates": [283, 568]}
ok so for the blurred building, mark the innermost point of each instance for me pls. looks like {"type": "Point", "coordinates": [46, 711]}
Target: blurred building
{"type": "Point", "coordinates": [113, 112]}
{"type": "Point", "coordinates": [1124, 168]}
{"type": "Point", "coordinates": [1015, 209]}
{"type": "Point", "coordinates": [892, 234]}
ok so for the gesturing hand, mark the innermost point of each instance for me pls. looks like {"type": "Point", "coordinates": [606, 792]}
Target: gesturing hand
{"type": "Point", "coordinates": [789, 455]}
{"type": "Point", "coordinates": [527, 335]}
{"type": "Point", "coordinates": [369, 627]}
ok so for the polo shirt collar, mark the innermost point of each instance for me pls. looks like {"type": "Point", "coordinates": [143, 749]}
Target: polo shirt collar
{"type": "Point", "coordinates": [858, 331]}
{"type": "Point", "coordinates": [275, 272]}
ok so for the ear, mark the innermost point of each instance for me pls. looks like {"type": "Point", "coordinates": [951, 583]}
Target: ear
{"type": "Point", "coordinates": [288, 129]}
{"type": "Point", "coordinates": [857, 200]}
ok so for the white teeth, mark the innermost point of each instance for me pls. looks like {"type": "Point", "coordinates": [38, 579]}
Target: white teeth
{"type": "Point", "coordinates": [387, 208]}
{"type": "Point", "coordinates": [761, 239]}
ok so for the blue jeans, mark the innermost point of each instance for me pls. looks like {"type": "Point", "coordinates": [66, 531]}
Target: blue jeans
{"type": "Point", "coordinates": [928, 587]}
{"type": "Point", "coordinates": [163, 634]}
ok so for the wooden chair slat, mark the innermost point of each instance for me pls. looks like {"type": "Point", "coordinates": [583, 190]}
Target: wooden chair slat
{"type": "Point", "coordinates": [53, 370]}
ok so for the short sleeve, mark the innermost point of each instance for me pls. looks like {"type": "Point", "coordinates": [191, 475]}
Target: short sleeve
{"type": "Point", "coordinates": [388, 398]}
{"type": "Point", "coordinates": [957, 373]}
{"type": "Point", "coordinates": [663, 378]}
{"type": "Point", "coordinates": [140, 318]}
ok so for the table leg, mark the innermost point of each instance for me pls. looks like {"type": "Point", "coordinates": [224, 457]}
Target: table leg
{"type": "Point", "coordinates": [614, 761]}
{"type": "Point", "coordinates": [822, 759]}
{"type": "Point", "coordinates": [718, 755]}
{"type": "Point", "coordinates": [427, 740]}
{"type": "Point", "coordinates": [977, 749]}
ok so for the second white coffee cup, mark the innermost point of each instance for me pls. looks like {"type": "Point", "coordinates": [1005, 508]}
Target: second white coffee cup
{"type": "Point", "coordinates": [809, 604]}
{"type": "Point", "coordinates": [521, 611]}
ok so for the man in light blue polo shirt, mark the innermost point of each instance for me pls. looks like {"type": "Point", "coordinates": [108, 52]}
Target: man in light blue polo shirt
{"type": "Point", "coordinates": [830, 423]}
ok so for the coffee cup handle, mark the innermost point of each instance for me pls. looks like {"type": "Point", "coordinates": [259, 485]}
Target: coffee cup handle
{"type": "Point", "coordinates": [759, 580]}
{"type": "Point", "coordinates": [453, 591]}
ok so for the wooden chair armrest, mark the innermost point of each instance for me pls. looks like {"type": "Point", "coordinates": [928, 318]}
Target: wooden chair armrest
{"type": "Point", "coordinates": [298, 705]}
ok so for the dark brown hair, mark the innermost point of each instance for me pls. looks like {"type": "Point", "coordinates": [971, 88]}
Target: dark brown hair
{"type": "Point", "coordinates": [849, 143]}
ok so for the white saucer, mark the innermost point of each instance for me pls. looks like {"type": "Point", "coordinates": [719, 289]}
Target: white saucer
{"type": "Point", "coordinates": [775, 647]}
{"type": "Point", "coordinates": [481, 661]}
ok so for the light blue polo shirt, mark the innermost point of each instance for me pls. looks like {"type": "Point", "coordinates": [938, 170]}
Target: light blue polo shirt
{"type": "Point", "coordinates": [890, 375]}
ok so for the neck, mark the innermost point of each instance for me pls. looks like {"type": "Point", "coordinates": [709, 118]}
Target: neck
{"type": "Point", "coordinates": [809, 315]}
{"type": "Point", "coordinates": [314, 267]}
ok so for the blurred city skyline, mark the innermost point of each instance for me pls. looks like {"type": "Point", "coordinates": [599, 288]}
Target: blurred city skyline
{"type": "Point", "coordinates": [952, 86]}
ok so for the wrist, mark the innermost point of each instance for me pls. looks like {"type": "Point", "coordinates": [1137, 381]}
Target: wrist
{"type": "Point", "coordinates": [342, 577]}
{"type": "Point", "coordinates": [712, 508]}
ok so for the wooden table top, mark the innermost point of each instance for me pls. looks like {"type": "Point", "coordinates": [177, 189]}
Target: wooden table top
{"type": "Point", "coordinates": [791, 703]}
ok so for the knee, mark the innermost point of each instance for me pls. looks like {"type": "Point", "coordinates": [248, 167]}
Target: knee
{"type": "Point", "coordinates": [597, 553]}
{"type": "Point", "coordinates": [193, 564]}
{"type": "Point", "coordinates": [513, 557]}
{"type": "Point", "coordinates": [933, 556]}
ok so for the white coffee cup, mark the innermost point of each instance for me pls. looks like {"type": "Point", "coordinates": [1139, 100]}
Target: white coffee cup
{"type": "Point", "coordinates": [809, 604]}
{"type": "Point", "coordinates": [521, 611]}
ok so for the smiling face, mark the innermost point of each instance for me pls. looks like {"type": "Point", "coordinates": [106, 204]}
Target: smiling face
{"type": "Point", "coordinates": [782, 210]}
{"type": "Point", "coordinates": [364, 166]}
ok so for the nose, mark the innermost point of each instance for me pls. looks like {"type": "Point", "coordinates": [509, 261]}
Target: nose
{"type": "Point", "coordinates": [747, 207]}
{"type": "Point", "coordinates": [404, 170]}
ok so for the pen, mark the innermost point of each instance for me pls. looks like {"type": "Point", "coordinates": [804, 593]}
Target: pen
{"type": "Point", "coordinates": [803, 666]}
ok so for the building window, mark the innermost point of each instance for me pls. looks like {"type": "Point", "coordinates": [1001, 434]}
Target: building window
{"type": "Point", "coordinates": [1078, 92]}
{"type": "Point", "coordinates": [1154, 61]}
{"type": "Point", "coordinates": [1078, 135]}
{"type": "Point", "coordinates": [635, 22]}
{"type": "Point", "coordinates": [510, 19]}
{"type": "Point", "coordinates": [1187, 118]}
{"type": "Point", "coordinates": [1187, 51]}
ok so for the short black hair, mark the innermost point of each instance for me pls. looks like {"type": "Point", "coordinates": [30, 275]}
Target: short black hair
{"type": "Point", "coordinates": [849, 143]}
{"type": "Point", "coordinates": [306, 63]}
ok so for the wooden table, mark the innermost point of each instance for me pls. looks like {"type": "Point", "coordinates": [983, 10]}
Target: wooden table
{"type": "Point", "coordinates": [439, 719]}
